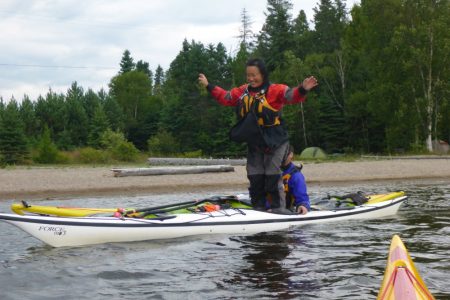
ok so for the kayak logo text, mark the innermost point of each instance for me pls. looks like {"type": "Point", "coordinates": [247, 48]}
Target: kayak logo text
{"type": "Point", "coordinates": [56, 230]}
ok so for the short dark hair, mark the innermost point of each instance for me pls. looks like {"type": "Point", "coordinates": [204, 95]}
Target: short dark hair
{"type": "Point", "coordinates": [259, 63]}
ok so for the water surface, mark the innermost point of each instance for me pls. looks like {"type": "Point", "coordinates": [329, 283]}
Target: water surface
{"type": "Point", "coordinates": [321, 261]}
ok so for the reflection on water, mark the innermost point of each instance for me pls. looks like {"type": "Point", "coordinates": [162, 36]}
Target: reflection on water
{"type": "Point", "coordinates": [265, 272]}
{"type": "Point", "coordinates": [269, 272]}
{"type": "Point", "coordinates": [322, 261]}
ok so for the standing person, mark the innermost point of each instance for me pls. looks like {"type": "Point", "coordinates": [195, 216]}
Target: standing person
{"type": "Point", "coordinates": [297, 198]}
{"type": "Point", "coordinates": [259, 104]}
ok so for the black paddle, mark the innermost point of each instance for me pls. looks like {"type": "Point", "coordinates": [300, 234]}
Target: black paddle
{"type": "Point", "coordinates": [176, 206]}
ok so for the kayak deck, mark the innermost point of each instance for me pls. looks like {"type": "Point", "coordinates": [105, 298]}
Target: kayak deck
{"type": "Point", "coordinates": [77, 231]}
{"type": "Point", "coordinates": [64, 211]}
{"type": "Point", "coordinates": [401, 279]}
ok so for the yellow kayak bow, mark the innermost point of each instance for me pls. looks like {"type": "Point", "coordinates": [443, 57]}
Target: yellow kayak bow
{"type": "Point", "coordinates": [401, 278]}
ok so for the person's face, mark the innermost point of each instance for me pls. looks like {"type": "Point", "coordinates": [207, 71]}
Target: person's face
{"type": "Point", "coordinates": [254, 77]}
{"type": "Point", "coordinates": [289, 158]}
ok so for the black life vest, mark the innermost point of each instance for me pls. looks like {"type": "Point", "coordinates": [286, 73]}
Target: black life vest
{"type": "Point", "coordinates": [266, 114]}
{"type": "Point", "coordinates": [259, 124]}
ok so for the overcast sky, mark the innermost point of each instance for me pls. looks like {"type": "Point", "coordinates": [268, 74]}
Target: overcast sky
{"type": "Point", "coordinates": [49, 43]}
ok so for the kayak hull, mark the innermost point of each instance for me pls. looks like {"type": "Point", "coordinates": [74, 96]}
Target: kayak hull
{"type": "Point", "coordinates": [64, 211]}
{"type": "Point", "coordinates": [72, 231]}
{"type": "Point", "coordinates": [401, 279]}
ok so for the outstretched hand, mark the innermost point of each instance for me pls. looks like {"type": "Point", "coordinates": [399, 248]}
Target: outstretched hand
{"type": "Point", "coordinates": [309, 83]}
{"type": "Point", "coordinates": [202, 80]}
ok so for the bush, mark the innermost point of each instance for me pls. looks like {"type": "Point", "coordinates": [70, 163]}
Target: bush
{"type": "Point", "coordinates": [125, 151]}
{"type": "Point", "coordinates": [63, 158]}
{"type": "Point", "coordinates": [47, 152]}
{"type": "Point", "coordinates": [93, 156]}
{"type": "Point", "coordinates": [163, 143]}
{"type": "Point", "coordinates": [111, 139]}
{"type": "Point", "coordinates": [120, 149]}
{"type": "Point", "coordinates": [193, 154]}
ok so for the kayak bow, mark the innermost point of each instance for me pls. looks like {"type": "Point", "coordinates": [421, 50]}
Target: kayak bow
{"type": "Point", "coordinates": [401, 278]}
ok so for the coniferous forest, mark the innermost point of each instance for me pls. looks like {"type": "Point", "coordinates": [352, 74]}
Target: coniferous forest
{"type": "Point", "coordinates": [383, 70]}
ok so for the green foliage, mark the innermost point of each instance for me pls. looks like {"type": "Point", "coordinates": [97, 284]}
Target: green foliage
{"type": "Point", "coordinates": [99, 124]}
{"type": "Point", "coordinates": [144, 67]}
{"type": "Point", "coordinates": [303, 38]}
{"type": "Point", "coordinates": [193, 154]}
{"type": "Point", "coordinates": [47, 152]}
{"type": "Point", "coordinates": [163, 144]}
{"type": "Point", "coordinates": [76, 118]}
{"type": "Point", "coordinates": [159, 80]}
{"type": "Point", "coordinates": [126, 64]}
{"type": "Point", "coordinates": [114, 113]}
{"type": "Point", "coordinates": [28, 116]}
{"type": "Point", "coordinates": [119, 148]}
{"type": "Point", "coordinates": [110, 139]}
{"type": "Point", "coordinates": [383, 87]}
{"type": "Point", "coordinates": [238, 65]}
{"type": "Point", "coordinates": [90, 155]}
{"type": "Point", "coordinates": [13, 142]}
{"type": "Point", "coordinates": [329, 22]}
{"type": "Point", "coordinates": [133, 92]}
{"type": "Point", "coordinates": [276, 36]}
{"type": "Point", "coordinates": [125, 151]}
{"type": "Point", "coordinates": [194, 119]}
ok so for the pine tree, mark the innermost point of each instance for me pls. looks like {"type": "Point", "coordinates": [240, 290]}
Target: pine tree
{"type": "Point", "coordinates": [276, 35]}
{"type": "Point", "coordinates": [76, 117]}
{"type": "Point", "coordinates": [126, 64]}
{"type": "Point", "coordinates": [238, 65]}
{"type": "Point", "coordinates": [303, 42]}
{"type": "Point", "coordinates": [144, 67]}
{"type": "Point", "coordinates": [98, 126]}
{"type": "Point", "coordinates": [13, 142]}
{"type": "Point", "coordinates": [90, 102]}
{"type": "Point", "coordinates": [114, 113]}
{"type": "Point", "coordinates": [159, 80]}
{"type": "Point", "coordinates": [28, 117]}
{"type": "Point", "coordinates": [47, 152]}
{"type": "Point", "coordinates": [330, 20]}
{"type": "Point", "coordinates": [51, 111]}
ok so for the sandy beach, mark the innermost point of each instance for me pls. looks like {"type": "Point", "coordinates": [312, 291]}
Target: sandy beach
{"type": "Point", "coordinates": [42, 182]}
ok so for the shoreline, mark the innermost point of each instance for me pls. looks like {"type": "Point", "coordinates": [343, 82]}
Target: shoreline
{"type": "Point", "coordinates": [63, 182]}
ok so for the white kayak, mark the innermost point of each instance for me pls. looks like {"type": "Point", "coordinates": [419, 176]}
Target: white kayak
{"type": "Point", "coordinates": [77, 231]}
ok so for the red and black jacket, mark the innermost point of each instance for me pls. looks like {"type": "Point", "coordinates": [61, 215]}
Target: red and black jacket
{"type": "Point", "coordinates": [270, 99]}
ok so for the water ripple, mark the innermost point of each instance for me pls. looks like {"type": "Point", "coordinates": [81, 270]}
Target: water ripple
{"type": "Point", "coordinates": [319, 261]}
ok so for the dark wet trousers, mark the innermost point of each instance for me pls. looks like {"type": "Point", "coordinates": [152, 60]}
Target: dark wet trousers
{"type": "Point", "coordinates": [263, 187]}
{"type": "Point", "coordinates": [264, 173]}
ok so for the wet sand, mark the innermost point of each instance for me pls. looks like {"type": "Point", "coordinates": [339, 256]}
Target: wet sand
{"type": "Point", "coordinates": [40, 183]}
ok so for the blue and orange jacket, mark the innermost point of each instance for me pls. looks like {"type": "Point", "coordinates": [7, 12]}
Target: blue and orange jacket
{"type": "Point", "coordinates": [295, 187]}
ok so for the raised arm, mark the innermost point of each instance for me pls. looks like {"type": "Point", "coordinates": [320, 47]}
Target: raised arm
{"type": "Point", "coordinates": [287, 95]}
{"type": "Point", "coordinates": [226, 98]}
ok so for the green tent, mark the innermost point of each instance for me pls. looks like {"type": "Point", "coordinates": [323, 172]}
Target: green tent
{"type": "Point", "coordinates": [313, 153]}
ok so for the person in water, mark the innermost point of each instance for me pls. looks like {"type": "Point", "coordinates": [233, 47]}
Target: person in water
{"type": "Point", "coordinates": [259, 104]}
{"type": "Point", "coordinates": [296, 194]}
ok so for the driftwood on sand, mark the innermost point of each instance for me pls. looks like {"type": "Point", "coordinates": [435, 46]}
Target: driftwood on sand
{"type": "Point", "coordinates": [176, 161]}
{"type": "Point", "coordinates": [171, 170]}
